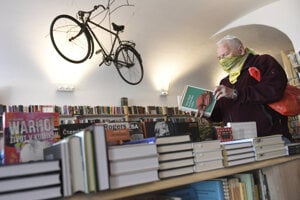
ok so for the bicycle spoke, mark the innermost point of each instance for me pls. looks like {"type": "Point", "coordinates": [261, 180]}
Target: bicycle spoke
{"type": "Point", "coordinates": [68, 38]}
{"type": "Point", "coordinates": [129, 65]}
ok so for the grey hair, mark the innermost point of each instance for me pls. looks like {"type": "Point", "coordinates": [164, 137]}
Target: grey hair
{"type": "Point", "coordinates": [231, 40]}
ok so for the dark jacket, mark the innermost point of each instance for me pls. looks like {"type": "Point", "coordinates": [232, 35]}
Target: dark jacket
{"type": "Point", "coordinates": [253, 97]}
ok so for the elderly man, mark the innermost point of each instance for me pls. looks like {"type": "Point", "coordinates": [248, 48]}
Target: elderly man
{"type": "Point", "coordinates": [243, 96]}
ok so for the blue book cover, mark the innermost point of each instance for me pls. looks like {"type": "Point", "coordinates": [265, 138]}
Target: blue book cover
{"type": "Point", "coordinates": [209, 190]}
{"type": "Point", "coordinates": [186, 193]}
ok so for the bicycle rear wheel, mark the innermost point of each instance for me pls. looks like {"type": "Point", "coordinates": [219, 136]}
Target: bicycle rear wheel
{"type": "Point", "coordinates": [129, 64]}
{"type": "Point", "coordinates": [70, 39]}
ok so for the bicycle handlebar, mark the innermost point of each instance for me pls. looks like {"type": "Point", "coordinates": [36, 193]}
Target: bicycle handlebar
{"type": "Point", "coordinates": [81, 13]}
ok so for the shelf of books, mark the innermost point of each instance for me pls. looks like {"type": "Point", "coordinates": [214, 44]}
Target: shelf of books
{"type": "Point", "coordinates": [125, 159]}
{"type": "Point", "coordinates": [182, 180]}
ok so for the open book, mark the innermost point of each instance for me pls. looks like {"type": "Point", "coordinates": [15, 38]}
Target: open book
{"type": "Point", "coordinates": [194, 98]}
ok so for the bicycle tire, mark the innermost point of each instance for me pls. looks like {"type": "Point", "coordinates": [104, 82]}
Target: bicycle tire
{"type": "Point", "coordinates": [75, 50]}
{"type": "Point", "coordinates": [129, 64]}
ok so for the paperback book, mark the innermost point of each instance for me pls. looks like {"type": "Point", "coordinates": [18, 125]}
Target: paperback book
{"type": "Point", "coordinates": [194, 99]}
{"type": "Point", "coordinates": [27, 134]}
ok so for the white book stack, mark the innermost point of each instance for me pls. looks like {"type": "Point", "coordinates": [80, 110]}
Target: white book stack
{"type": "Point", "coordinates": [207, 155]}
{"type": "Point", "coordinates": [253, 149]}
{"type": "Point", "coordinates": [31, 180]}
{"type": "Point", "coordinates": [175, 156]}
{"type": "Point", "coordinates": [238, 152]}
{"type": "Point", "coordinates": [132, 164]}
{"type": "Point", "coordinates": [269, 147]}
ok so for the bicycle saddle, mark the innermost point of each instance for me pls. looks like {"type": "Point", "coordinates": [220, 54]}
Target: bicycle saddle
{"type": "Point", "coordinates": [118, 27]}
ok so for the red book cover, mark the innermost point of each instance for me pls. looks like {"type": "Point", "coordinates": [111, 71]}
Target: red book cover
{"type": "Point", "coordinates": [27, 134]}
{"type": "Point", "coordinates": [224, 134]}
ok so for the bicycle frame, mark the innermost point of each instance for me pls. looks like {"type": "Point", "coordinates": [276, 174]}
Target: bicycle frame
{"type": "Point", "coordinates": [93, 35]}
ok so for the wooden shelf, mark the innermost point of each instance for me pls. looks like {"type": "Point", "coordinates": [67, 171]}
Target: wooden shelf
{"type": "Point", "coordinates": [182, 180]}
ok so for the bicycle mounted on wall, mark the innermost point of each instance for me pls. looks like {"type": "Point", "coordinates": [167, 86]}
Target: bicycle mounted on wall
{"type": "Point", "coordinates": [74, 40]}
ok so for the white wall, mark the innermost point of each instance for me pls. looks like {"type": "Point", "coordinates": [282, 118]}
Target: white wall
{"type": "Point", "coordinates": [283, 15]}
{"type": "Point", "coordinates": [31, 70]}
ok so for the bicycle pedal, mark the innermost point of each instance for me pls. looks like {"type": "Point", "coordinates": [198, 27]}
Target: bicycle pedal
{"type": "Point", "coordinates": [98, 51]}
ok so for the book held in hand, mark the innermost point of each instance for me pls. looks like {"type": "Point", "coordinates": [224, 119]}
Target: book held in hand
{"type": "Point", "coordinates": [195, 98]}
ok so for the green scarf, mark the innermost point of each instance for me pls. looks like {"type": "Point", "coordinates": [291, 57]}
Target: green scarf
{"type": "Point", "coordinates": [233, 65]}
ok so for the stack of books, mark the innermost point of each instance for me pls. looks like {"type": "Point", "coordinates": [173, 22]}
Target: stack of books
{"type": "Point", "coordinates": [37, 179]}
{"type": "Point", "coordinates": [207, 155]}
{"type": "Point", "coordinates": [238, 152]}
{"type": "Point", "coordinates": [175, 156]}
{"type": "Point", "coordinates": [269, 147]}
{"type": "Point", "coordinates": [253, 149]}
{"type": "Point", "coordinates": [84, 161]}
{"type": "Point", "coordinates": [133, 163]}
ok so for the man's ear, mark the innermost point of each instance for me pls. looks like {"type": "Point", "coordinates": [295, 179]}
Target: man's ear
{"type": "Point", "coordinates": [242, 50]}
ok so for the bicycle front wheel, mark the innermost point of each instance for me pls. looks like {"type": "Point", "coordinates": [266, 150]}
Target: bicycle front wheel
{"type": "Point", "coordinates": [70, 39]}
{"type": "Point", "coordinates": [129, 64]}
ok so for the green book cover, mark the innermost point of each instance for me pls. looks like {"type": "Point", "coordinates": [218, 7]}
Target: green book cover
{"type": "Point", "coordinates": [195, 98]}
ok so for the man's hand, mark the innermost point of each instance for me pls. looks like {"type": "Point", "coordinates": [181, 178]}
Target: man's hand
{"type": "Point", "coordinates": [223, 91]}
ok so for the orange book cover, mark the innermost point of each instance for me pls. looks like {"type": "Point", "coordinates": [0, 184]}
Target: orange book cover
{"type": "Point", "coordinates": [117, 132]}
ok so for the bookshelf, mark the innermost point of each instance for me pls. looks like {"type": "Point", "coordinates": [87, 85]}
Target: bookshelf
{"type": "Point", "coordinates": [282, 175]}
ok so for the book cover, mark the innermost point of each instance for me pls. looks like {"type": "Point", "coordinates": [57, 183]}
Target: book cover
{"type": "Point", "coordinates": [209, 189]}
{"type": "Point", "coordinates": [272, 139]}
{"type": "Point", "coordinates": [100, 156]}
{"type": "Point", "coordinates": [173, 139]}
{"type": "Point", "coordinates": [175, 172]}
{"type": "Point", "coordinates": [275, 153]}
{"type": "Point", "coordinates": [176, 163]}
{"type": "Point", "coordinates": [27, 134]}
{"type": "Point", "coordinates": [129, 179]}
{"type": "Point", "coordinates": [158, 128]}
{"type": "Point", "coordinates": [293, 148]}
{"type": "Point", "coordinates": [208, 165]}
{"type": "Point", "coordinates": [238, 161]}
{"type": "Point", "coordinates": [229, 152]}
{"type": "Point", "coordinates": [206, 145]}
{"type": "Point", "coordinates": [224, 133]}
{"type": "Point", "coordinates": [60, 151]}
{"type": "Point", "coordinates": [183, 192]}
{"type": "Point", "coordinates": [174, 147]}
{"type": "Point", "coordinates": [175, 155]}
{"type": "Point", "coordinates": [187, 128]}
{"type": "Point", "coordinates": [242, 130]}
{"type": "Point", "coordinates": [78, 165]}
{"type": "Point", "coordinates": [248, 179]}
{"type": "Point", "coordinates": [239, 156]}
{"type": "Point", "coordinates": [208, 155]}
{"type": "Point", "coordinates": [133, 165]}
{"type": "Point", "coordinates": [130, 151]}
{"type": "Point", "coordinates": [28, 168]}
{"type": "Point", "coordinates": [88, 161]}
{"type": "Point", "coordinates": [136, 130]}
{"type": "Point", "coordinates": [269, 147]}
{"type": "Point", "coordinates": [234, 144]}
{"type": "Point", "coordinates": [66, 130]}
{"type": "Point", "coordinates": [195, 98]}
{"type": "Point", "coordinates": [29, 182]}
{"type": "Point", "coordinates": [117, 132]}
{"type": "Point", "coordinates": [53, 192]}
